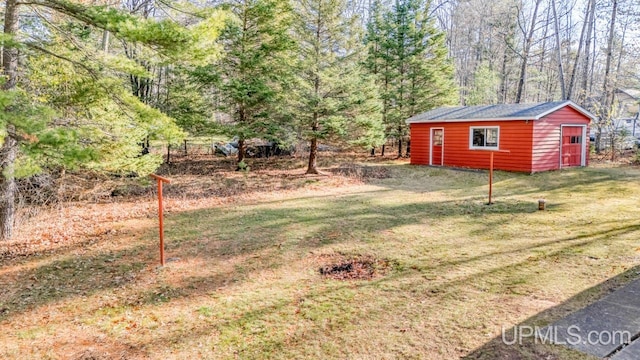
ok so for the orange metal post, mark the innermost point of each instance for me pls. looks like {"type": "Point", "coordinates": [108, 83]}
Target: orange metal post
{"type": "Point", "coordinates": [160, 180]}
{"type": "Point", "coordinates": [490, 178]}
{"type": "Point", "coordinates": [160, 222]}
{"type": "Point", "coordinates": [491, 172]}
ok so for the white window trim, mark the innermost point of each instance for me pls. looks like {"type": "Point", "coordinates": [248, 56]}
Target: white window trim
{"type": "Point", "coordinates": [473, 147]}
{"type": "Point", "coordinates": [431, 146]}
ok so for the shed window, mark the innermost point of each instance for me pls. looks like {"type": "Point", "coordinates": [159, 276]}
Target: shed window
{"type": "Point", "coordinates": [484, 137]}
{"type": "Point", "coordinates": [437, 137]}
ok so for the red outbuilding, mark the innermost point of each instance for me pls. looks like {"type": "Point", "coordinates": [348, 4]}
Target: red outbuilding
{"type": "Point", "coordinates": [525, 137]}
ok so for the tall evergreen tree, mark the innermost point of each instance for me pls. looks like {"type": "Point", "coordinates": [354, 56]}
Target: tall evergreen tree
{"type": "Point", "coordinates": [377, 54]}
{"type": "Point", "coordinates": [256, 69]}
{"type": "Point", "coordinates": [335, 99]}
{"type": "Point", "coordinates": [409, 58]}
{"type": "Point", "coordinates": [66, 102]}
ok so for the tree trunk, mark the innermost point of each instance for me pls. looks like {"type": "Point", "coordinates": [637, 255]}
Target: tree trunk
{"type": "Point", "coordinates": [241, 150]}
{"type": "Point", "coordinates": [621, 53]}
{"type": "Point", "coordinates": [503, 80]}
{"type": "Point", "coordinates": [576, 63]}
{"type": "Point", "coordinates": [168, 154]}
{"type": "Point", "coordinates": [559, 50]}
{"type": "Point", "coordinates": [587, 51]}
{"type": "Point", "coordinates": [612, 143]}
{"type": "Point", "coordinates": [399, 148]}
{"type": "Point", "coordinates": [525, 56]}
{"type": "Point", "coordinates": [607, 89]}
{"type": "Point", "coordinates": [607, 72]}
{"type": "Point", "coordinates": [382, 152]}
{"type": "Point", "coordinates": [592, 71]}
{"type": "Point", "coordinates": [543, 87]}
{"type": "Point", "coordinates": [8, 188]}
{"type": "Point", "coordinates": [10, 54]}
{"type": "Point", "coordinates": [105, 41]}
{"type": "Point", "coordinates": [373, 151]}
{"type": "Point", "coordinates": [408, 151]}
{"type": "Point", "coordinates": [313, 154]}
{"type": "Point", "coordinates": [9, 150]}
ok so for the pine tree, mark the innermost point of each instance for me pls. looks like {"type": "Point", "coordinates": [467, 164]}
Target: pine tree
{"type": "Point", "coordinates": [67, 104]}
{"type": "Point", "coordinates": [409, 58]}
{"type": "Point", "coordinates": [334, 98]}
{"type": "Point", "coordinates": [485, 87]}
{"type": "Point", "coordinates": [376, 61]}
{"type": "Point", "coordinates": [188, 98]}
{"type": "Point", "coordinates": [256, 69]}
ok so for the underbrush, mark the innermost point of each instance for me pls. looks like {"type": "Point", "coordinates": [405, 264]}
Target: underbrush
{"type": "Point", "coordinates": [63, 208]}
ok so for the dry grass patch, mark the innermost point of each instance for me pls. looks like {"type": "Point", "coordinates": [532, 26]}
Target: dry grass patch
{"type": "Point", "coordinates": [362, 171]}
{"type": "Point", "coordinates": [354, 267]}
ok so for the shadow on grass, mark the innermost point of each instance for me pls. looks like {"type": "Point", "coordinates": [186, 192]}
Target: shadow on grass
{"type": "Point", "coordinates": [222, 233]}
{"type": "Point", "coordinates": [264, 236]}
{"type": "Point", "coordinates": [232, 183]}
{"type": "Point", "coordinates": [497, 348]}
{"type": "Point", "coordinates": [73, 276]}
{"type": "Point", "coordinates": [426, 178]}
{"type": "Point", "coordinates": [421, 179]}
{"type": "Point", "coordinates": [406, 281]}
{"type": "Point", "coordinates": [501, 277]}
{"type": "Point", "coordinates": [258, 239]}
{"type": "Point", "coordinates": [579, 180]}
{"type": "Point", "coordinates": [307, 223]}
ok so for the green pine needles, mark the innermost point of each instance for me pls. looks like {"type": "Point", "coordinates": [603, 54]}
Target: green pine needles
{"type": "Point", "coordinates": [335, 98]}
{"type": "Point", "coordinates": [408, 57]}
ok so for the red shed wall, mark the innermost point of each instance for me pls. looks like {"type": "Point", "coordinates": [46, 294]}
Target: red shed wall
{"type": "Point", "coordinates": [420, 138]}
{"type": "Point", "coordinates": [547, 137]}
{"type": "Point", "coordinates": [515, 136]}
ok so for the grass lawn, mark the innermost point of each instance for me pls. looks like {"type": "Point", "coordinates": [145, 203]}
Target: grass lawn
{"type": "Point", "coordinates": [452, 271]}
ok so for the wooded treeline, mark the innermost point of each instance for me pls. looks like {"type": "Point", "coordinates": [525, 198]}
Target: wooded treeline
{"type": "Point", "coordinates": [512, 51]}
{"type": "Point", "coordinates": [90, 83]}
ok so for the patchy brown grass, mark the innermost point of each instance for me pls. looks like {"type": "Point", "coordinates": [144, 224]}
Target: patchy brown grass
{"type": "Point", "coordinates": [90, 207]}
{"type": "Point", "coordinates": [359, 267]}
{"type": "Point", "coordinates": [81, 281]}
